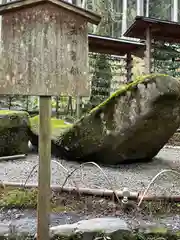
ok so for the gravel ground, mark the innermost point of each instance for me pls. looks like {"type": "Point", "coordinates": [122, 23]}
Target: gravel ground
{"type": "Point", "coordinates": [135, 176]}
{"type": "Point", "coordinates": [25, 221]}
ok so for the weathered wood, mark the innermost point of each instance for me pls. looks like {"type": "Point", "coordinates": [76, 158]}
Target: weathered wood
{"type": "Point", "coordinates": [21, 4]}
{"type": "Point", "coordinates": [44, 168]}
{"type": "Point", "coordinates": [148, 51]}
{"type": "Point", "coordinates": [45, 53]}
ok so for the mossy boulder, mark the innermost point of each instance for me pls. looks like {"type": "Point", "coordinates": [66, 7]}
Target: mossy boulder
{"type": "Point", "coordinates": [14, 127]}
{"type": "Point", "coordinates": [132, 125]}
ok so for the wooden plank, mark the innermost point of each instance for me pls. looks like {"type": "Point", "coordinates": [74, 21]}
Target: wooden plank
{"type": "Point", "coordinates": [45, 53]}
{"type": "Point", "coordinates": [14, 6]}
{"type": "Point", "coordinates": [44, 193]}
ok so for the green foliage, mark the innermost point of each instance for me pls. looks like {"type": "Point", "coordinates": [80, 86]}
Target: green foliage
{"type": "Point", "coordinates": [101, 80]}
{"type": "Point", "coordinates": [164, 53]}
{"type": "Point", "coordinates": [164, 59]}
{"type": "Point", "coordinates": [9, 112]}
{"type": "Point", "coordinates": [160, 9]}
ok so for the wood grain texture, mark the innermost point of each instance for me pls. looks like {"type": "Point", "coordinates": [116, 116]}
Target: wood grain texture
{"type": "Point", "coordinates": [14, 5]}
{"type": "Point", "coordinates": [44, 192]}
{"type": "Point", "coordinates": [44, 52]}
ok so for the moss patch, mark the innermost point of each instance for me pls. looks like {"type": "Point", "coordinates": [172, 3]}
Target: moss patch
{"type": "Point", "coordinates": [18, 198]}
{"type": "Point", "coordinates": [57, 126]}
{"type": "Point", "coordinates": [10, 119]}
{"type": "Point", "coordinates": [126, 88]}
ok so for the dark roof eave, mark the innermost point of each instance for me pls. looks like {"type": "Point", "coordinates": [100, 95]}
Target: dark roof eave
{"type": "Point", "coordinates": [161, 29]}
{"type": "Point", "coordinates": [112, 46]}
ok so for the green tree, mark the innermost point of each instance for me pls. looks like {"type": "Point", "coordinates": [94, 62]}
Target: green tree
{"type": "Point", "coordinates": [102, 75]}
{"type": "Point", "coordinates": [165, 54]}
{"type": "Point", "coordinates": [101, 80]}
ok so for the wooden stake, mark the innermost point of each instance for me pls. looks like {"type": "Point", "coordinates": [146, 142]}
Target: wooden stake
{"type": "Point", "coordinates": [44, 168]}
{"type": "Point", "coordinates": [148, 51]}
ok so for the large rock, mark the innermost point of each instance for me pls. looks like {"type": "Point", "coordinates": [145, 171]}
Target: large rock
{"type": "Point", "coordinates": [14, 127]}
{"type": "Point", "coordinates": [114, 229]}
{"type": "Point", "coordinates": [133, 124]}
{"type": "Point", "coordinates": [91, 229]}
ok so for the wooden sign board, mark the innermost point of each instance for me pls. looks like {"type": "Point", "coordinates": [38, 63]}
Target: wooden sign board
{"type": "Point", "coordinates": [44, 51]}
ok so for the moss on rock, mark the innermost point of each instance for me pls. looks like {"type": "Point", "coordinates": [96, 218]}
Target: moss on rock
{"type": "Point", "coordinates": [57, 127]}
{"type": "Point", "coordinates": [127, 87]}
{"type": "Point", "coordinates": [14, 127]}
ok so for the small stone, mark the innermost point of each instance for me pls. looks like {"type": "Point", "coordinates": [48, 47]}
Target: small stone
{"type": "Point", "coordinates": [101, 201]}
{"type": "Point", "coordinates": [108, 132]}
{"type": "Point", "coordinates": [111, 205]}
{"type": "Point", "coordinates": [102, 116]}
{"type": "Point", "coordinates": [9, 211]}
{"type": "Point", "coordinates": [18, 216]}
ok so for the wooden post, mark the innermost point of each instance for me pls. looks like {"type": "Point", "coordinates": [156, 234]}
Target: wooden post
{"type": "Point", "coordinates": [148, 51]}
{"type": "Point", "coordinates": [129, 67]}
{"type": "Point", "coordinates": [44, 168]}
{"type": "Point", "coordinates": [78, 98]}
